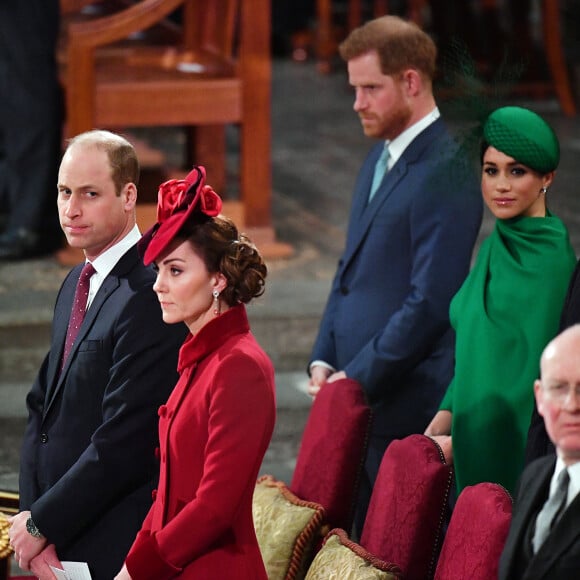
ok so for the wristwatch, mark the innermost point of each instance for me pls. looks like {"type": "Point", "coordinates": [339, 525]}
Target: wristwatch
{"type": "Point", "coordinates": [32, 529]}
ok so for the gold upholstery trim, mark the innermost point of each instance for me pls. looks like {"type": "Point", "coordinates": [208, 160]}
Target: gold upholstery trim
{"type": "Point", "coordinates": [5, 549]}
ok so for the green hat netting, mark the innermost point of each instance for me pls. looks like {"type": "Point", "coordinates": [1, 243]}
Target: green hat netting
{"type": "Point", "coordinates": [525, 136]}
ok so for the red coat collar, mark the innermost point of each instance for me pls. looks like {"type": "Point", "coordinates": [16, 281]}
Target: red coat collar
{"type": "Point", "coordinates": [212, 336]}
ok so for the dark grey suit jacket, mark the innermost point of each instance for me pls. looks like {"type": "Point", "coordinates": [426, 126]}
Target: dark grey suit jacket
{"type": "Point", "coordinates": [88, 462]}
{"type": "Point", "coordinates": [559, 556]}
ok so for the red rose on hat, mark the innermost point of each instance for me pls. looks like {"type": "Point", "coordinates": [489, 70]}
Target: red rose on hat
{"type": "Point", "coordinates": [177, 201]}
{"type": "Point", "coordinates": [169, 197]}
{"type": "Point", "coordinates": [211, 202]}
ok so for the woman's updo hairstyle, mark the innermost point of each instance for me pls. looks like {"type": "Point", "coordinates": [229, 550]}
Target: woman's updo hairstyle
{"type": "Point", "coordinates": [223, 249]}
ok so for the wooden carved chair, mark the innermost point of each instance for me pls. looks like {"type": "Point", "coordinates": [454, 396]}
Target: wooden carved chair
{"type": "Point", "coordinates": [217, 72]}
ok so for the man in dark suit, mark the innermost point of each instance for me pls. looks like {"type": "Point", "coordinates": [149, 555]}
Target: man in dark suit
{"type": "Point", "coordinates": [31, 118]}
{"type": "Point", "coordinates": [88, 462]}
{"type": "Point", "coordinates": [544, 537]}
{"type": "Point", "coordinates": [409, 242]}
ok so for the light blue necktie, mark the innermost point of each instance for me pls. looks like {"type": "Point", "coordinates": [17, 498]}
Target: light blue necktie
{"type": "Point", "coordinates": [380, 170]}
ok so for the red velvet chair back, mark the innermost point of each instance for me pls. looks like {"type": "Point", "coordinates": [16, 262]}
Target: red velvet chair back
{"type": "Point", "coordinates": [332, 451]}
{"type": "Point", "coordinates": [477, 533]}
{"type": "Point", "coordinates": [404, 522]}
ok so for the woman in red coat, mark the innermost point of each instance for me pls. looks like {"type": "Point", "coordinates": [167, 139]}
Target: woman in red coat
{"type": "Point", "coordinates": [217, 423]}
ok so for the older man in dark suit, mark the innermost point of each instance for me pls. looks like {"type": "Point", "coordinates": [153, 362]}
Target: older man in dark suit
{"type": "Point", "coordinates": [415, 215]}
{"type": "Point", "coordinates": [88, 462]}
{"type": "Point", "coordinates": [544, 537]}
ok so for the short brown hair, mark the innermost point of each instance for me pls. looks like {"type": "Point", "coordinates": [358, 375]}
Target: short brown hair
{"type": "Point", "coordinates": [399, 43]}
{"type": "Point", "coordinates": [121, 154]}
{"type": "Point", "coordinates": [223, 249]}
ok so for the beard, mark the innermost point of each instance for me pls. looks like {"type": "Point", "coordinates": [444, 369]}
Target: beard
{"type": "Point", "coordinates": [387, 125]}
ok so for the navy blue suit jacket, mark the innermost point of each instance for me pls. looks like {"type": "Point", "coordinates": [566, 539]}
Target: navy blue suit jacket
{"type": "Point", "coordinates": [386, 322]}
{"type": "Point", "coordinates": [88, 462]}
{"type": "Point", "coordinates": [559, 556]}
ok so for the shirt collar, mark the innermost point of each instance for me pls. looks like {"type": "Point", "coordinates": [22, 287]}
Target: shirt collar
{"type": "Point", "coordinates": [398, 145]}
{"type": "Point", "coordinates": [104, 263]}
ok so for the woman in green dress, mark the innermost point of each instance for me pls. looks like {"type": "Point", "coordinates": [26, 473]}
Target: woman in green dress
{"type": "Point", "coordinates": [507, 309]}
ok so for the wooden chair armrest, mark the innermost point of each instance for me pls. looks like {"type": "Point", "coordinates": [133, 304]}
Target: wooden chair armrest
{"type": "Point", "coordinates": [114, 27]}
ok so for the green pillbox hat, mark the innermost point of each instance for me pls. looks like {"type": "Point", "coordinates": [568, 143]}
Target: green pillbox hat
{"type": "Point", "coordinates": [525, 136]}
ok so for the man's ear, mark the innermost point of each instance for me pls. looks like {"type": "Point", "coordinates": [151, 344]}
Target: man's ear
{"type": "Point", "coordinates": [412, 82]}
{"type": "Point", "coordinates": [129, 192]}
{"type": "Point", "coordinates": [539, 395]}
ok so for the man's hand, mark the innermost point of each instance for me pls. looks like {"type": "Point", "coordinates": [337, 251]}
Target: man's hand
{"type": "Point", "coordinates": [337, 376]}
{"type": "Point", "coordinates": [318, 376]}
{"type": "Point", "coordinates": [123, 574]}
{"type": "Point", "coordinates": [25, 545]}
{"type": "Point", "coordinates": [40, 565]}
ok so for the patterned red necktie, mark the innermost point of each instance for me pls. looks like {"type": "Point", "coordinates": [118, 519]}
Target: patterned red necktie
{"type": "Point", "coordinates": [78, 309]}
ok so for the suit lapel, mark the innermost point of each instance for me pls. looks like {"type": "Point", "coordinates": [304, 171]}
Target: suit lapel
{"type": "Point", "coordinates": [532, 495]}
{"type": "Point", "coordinates": [108, 287]}
{"type": "Point", "coordinates": [363, 212]}
{"type": "Point", "coordinates": [361, 196]}
{"type": "Point", "coordinates": [389, 183]}
{"type": "Point", "coordinates": [60, 326]}
{"type": "Point", "coordinates": [110, 284]}
{"type": "Point", "coordinates": [557, 543]}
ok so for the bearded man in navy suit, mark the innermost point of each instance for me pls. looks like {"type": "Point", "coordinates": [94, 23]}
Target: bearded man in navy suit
{"type": "Point", "coordinates": [88, 465]}
{"type": "Point", "coordinates": [528, 554]}
{"type": "Point", "coordinates": [409, 242]}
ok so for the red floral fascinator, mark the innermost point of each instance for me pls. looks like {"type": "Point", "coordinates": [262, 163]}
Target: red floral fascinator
{"type": "Point", "coordinates": [177, 201]}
